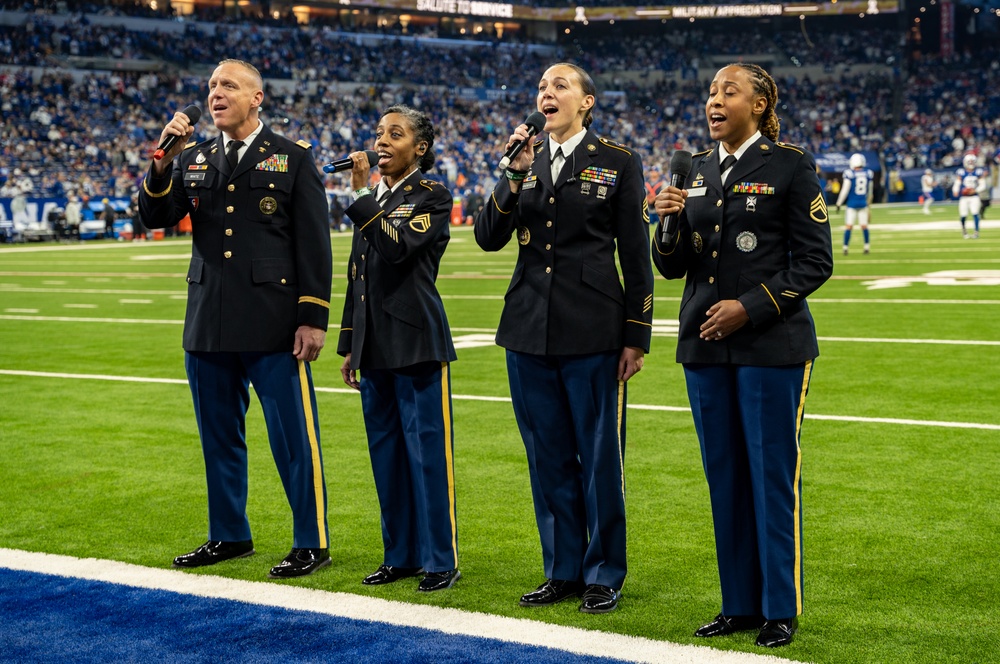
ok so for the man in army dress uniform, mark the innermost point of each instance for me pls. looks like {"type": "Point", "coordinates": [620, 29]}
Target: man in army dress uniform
{"type": "Point", "coordinates": [258, 305]}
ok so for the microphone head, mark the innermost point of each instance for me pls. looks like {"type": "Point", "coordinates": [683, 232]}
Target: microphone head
{"type": "Point", "coordinates": [372, 158]}
{"type": "Point", "coordinates": [535, 122]}
{"type": "Point", "coordinates": [193, 113]}
{"type": "Point", "coordinates": [680, 164]}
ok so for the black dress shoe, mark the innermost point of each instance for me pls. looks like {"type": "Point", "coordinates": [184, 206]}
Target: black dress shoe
{"type": "Point", "coordinates": [301, 562]}
{"type": "Point", "coordinates": [439, 580]}
{"type": "Point", "coordinates": [776, 633]}
{"type": "Point", "coordinates": [388, 574]}
{"type": "Point", "coordinates": [723, 625]}
{"type": "Point", "coordinates": [213, 551]}
{"type": "Point", "coordinates": [550, 592]}
{"type": "Point", "coordinates": [600, 599]}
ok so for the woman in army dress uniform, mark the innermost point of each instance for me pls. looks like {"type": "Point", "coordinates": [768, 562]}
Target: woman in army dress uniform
{"type": "Point", "coordinates": [573, 334]}
{"type": "Point", "coordinates": [753, 241]}
{"type": "Point", "coordinates": [395, 332]}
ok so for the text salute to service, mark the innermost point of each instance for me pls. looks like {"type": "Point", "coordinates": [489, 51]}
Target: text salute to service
{"type": "Point", "coordinates": [257, 310]}
{"type": "Point", "coordinates": [753, 241]}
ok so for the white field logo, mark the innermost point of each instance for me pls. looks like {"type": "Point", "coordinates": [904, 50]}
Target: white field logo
{"type": "Point", "coordinates": [943, 278]}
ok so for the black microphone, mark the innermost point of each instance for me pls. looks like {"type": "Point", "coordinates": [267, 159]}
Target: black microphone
{"type": "Point", "coordinates": [680, 167]}
{"type": "Point", "coordinates": [194, 114]}
{"type": "Point", "coordinates": [346, 164]}
{"type": "Point", "coordinates": [535, 122]}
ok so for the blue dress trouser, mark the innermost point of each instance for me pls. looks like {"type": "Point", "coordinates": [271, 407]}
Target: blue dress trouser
{"type": "Point", "coordinates": [748, 421]}
{"type": "Point", "coordinates": [411, 443]}
{"type": "Point", "coordinates": [220, 389]}
{"type": "Point", "coordinates": [571, 414]}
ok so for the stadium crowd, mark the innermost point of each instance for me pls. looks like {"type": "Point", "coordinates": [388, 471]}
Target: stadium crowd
{"type": "Point", "coordinates": [91, 134]}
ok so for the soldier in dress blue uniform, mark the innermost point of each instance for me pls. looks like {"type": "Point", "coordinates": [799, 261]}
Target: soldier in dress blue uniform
{"type": "Point", "coordinates": [753, 241]}
{"type": "Point", "coordinates": [395, 332]}
{"type": "Point", "coordinates": [573, 334]}
{"type": "Point", "coordinates": [257, 311]}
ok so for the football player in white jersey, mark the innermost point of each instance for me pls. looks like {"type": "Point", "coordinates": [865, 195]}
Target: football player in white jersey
{"type": "Point", "coordinates": [927, 184]}
{"type": "Point", "coordinates": [857, 191]}
{"type": "Point", "coordinates": [970, 179]}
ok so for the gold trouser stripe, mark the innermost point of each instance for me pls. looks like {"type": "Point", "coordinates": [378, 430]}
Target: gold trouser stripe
{"type": "Point", "coordinates": [621, 412]}
{"type": "Point", "coordinates": [317, 465]}
{"type": "Point", "coordinates": [314, 300]}
{"type": "Point", "coordinates": [449, 456]}
{"type": "Point", "coordinates": [797, 572]}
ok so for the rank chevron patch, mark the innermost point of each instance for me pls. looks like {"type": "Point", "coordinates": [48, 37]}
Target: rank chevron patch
{"type": "Point", "coordinates": [818, 211]}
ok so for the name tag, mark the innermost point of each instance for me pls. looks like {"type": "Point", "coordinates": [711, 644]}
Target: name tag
{"type": "Point", "coordinates": [694, 192]}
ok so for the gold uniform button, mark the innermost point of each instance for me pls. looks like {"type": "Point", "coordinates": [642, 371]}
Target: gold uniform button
{"type": "Point", "coordinates": [711, 280]}
{"type": "Point", "coordinates": [270, 185]}
{"type": "Point", "coordinates": [362, 277]}
{"type": "Point", "coordinates": [362, 256]}
{"type": "Point", "coordinates": [189, 279]}
{"type": "Point", "coordinates": [362, 298]}
{"type": "Point", "coordinates": [552, 200]}
{"type": "Point", "coordinates": [715, 254]}
{"type": "Point", "coordinates": [547, 270]}
{"type": "Point", "coordinates": [230, 209]}
{"type": "Point", "coordinates": [229, 232]}
{"type": "Point", "coordinates": [283, 281]}
{"type": "Point", "coordinates": [718, 203]}
{"type": "Point", "coordinates": [228, 254]}
{"type": "Point", "coordinates": [548, 247]}
{"type": "Point", "coordinates": [231, 187]}
{"type": "Point", "coordinates": [717, 228]}
{"type": "Point", "coordinates": [548, 224]}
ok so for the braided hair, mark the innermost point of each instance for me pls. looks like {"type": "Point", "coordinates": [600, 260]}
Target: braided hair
{"type": "Point", "coordinates": [764, 86]}
{"type": "Point", "coordinates": [423, 131]}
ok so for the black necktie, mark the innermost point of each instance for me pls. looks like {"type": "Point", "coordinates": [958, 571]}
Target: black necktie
{"type": "Point", "coordinates": [384, 197]}
{"type": "Point", "coordinates": [233, 154]}
{"type": "Point", "coordinates": [727, 162]}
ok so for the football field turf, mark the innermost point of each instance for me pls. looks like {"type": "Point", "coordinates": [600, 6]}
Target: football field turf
{"type": "Point", "coordinates": [901, 444]}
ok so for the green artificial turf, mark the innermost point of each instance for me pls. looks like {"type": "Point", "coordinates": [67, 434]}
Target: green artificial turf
{"type": "Point", "coordinates": [902, 519]}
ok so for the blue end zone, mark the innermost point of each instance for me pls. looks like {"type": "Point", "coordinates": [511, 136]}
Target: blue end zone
{"type": "Point", "coordinates": [46, 618]}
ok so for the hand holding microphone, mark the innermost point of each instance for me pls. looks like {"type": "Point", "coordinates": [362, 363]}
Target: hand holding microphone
{"type": "Point", "coordinates": [347, 163]}
{"type": "Point", "coordinates": [680, 167]}
{"type": "Point", "coordinates": [535, 123]}
{"type": "Point", "coordinates": [177, 129]}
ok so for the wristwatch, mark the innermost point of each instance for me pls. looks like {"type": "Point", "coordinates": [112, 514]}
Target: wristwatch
{"type": "Point", "coordinates": [358, 193]}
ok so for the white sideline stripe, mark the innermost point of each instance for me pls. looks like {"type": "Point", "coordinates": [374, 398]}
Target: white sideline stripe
{"type": "Point", "coordinates": [181, 294]}
{"type": "Point", "coordinates": [946, 342]}
{"type": "Point", "coordinates": [356, 607]}
{"type": "Point", "coordinates": [473, 397]}
{"type": "Point", "coordinates": [161, 321]}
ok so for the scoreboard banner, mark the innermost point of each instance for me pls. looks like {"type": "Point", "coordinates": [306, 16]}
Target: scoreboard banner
{"type": "Point", "coordinates": [581, 14]}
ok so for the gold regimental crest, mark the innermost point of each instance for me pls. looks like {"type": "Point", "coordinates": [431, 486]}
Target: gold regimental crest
{"type": "Point", "coordinates": [268, 205]}
{"type": "Point", "coordinates": [523, 235]}
{"type": "Point", "coordinates": [697, 243]}
{"type": "Point", "coordinates": [818, 211]}
{"type": "Point", "coordinates": [421, 223]}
